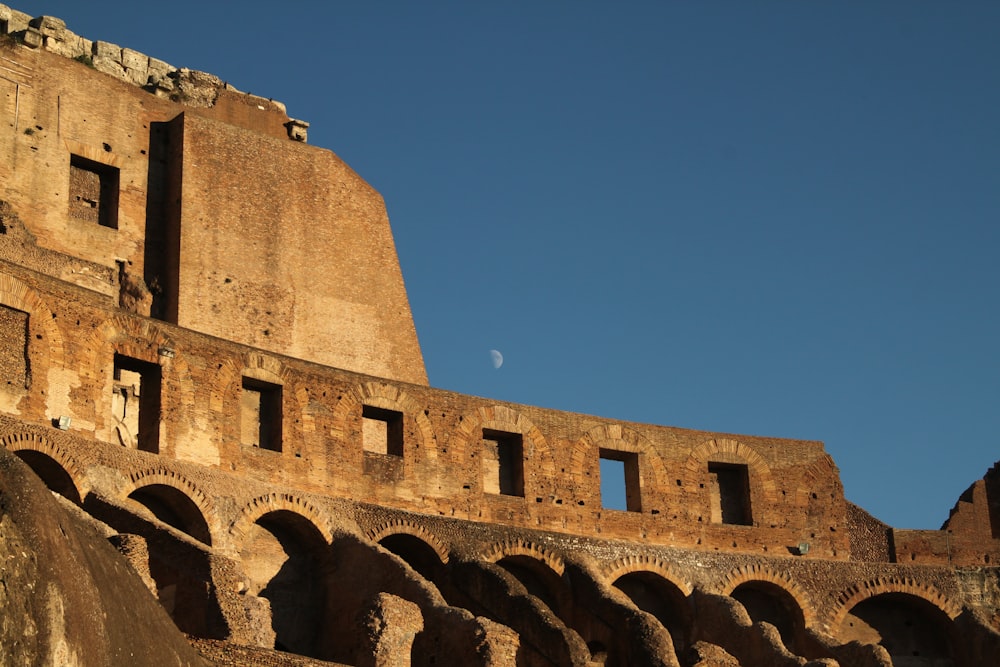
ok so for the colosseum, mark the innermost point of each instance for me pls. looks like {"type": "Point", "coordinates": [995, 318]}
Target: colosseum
{"type": "Point", "coordinates": [247, 466]}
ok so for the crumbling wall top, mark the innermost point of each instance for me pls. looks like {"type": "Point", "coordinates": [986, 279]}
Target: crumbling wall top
{"type": "Point", "coordinates": [185, 86]}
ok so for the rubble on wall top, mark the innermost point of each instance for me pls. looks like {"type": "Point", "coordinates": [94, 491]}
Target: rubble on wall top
{"type": "Point", "coordinates": [186, 86]}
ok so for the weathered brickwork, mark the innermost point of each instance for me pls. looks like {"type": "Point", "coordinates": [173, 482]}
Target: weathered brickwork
{"type": "Point", "coordinates": [263, 446]}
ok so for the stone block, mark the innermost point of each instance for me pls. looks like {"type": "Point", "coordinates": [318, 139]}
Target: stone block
{"type": "Point", "coordinates": [136, 76]}
{"type": "Point", "coordinates": [298, 130]}
{"type": "Point", "coordinates": [70, 46]}
{"type": "Point", "coordinates": [160, 67]}
{"type": "Point", "coordinates": [108, 50]}
{"type": "Point", "coordinates": [50, 26]}
{"type": "Point", "coordinates": [132, 59]}
{"type": "Point", "coordinates": [33, 39]}
{"type": "Point", "coordinates": [17, 21]}
{"type": "Point", "coordinates": [109, 66]}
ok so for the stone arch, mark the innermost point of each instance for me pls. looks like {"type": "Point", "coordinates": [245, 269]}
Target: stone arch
{"type": "Point", "coordinates": [772, 596]}
{"type": "Point", "coordinates": [26, 441]}
{"type": "Point", "coordinates": [763, 573]}
{"type": "Point", "coordinates": [763, 491]}
{"type": "Point", "coordinates": [848, 598]}
{"type": "Point", "coordinates": [505, 419]}
{"type": "Point", "coordinates": [538, 570]}
{"type": "Point", "coordinates": [231, 370]}
{"type": "Point", "coordinates": [653, 587]}
{"type": "Point", "coordinates": [18, 295]}
{"type": "Point", "coordinates": [629, 564]}
{"type": "Point", "coordinates": [389, 397]}
{"type": "Point", "coordinates": [143, 340]}
{"type": "Point", "coordinates": [162, 476]}
{"type": "Point", "coordinates": [285, 556]}
{"type": "Point", "coordinates": [524, 548]}
{"type": "Point", "coordinates": [128, 335]}
{"type": "Point", "coordinates": [403, 527]}
{"type": "Point", "coordinates": [274, 502]}
{"type": "Point", "coordinates": [584, 459]}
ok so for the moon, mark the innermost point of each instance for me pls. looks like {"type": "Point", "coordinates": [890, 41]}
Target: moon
{"type": "Point", "coordinates": [497, 358]}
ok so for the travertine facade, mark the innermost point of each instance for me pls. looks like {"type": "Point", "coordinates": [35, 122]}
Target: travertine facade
{"type": "Point", "coordinates": [266, 450]}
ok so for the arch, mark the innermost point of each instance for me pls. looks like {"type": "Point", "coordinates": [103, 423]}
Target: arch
{"type": "Point", "coordinates": [229, 372]}
{"type": "Point", "coordinates": [286, 559]}
{"type": "Point", "coordinates": [629, 564]}
{"type": "Point", "coordinates": [403, 527]}
{"type": "Point", "coordinates": [908, 626]}
{"type": "Point", "coordinates": [142, 340]}
{"type": "Point", "coordinates": [291, 400]}
{"type": "Point", "coordinates": [418, 554]}
{"type": "Point", "coordinates": [187, 504]}
{"type": "Point", "coordinates": [765, 601]}
{"type": "Point", "coordinates": [507, 549]}
{"type": "Point", "coordinates": [41, 319]}
{"type": "Point", "coordinates": [128, 335]}
{"type": "Point", "coordinates": [505, 419]}
{"type": "Point", "coordinates": [51, 473]}
{"type": "Point", "coordinates": [540, 580]}
{"type": "Point", "coordinates": [585, 459]}
{"type": "Point", "coordinates": [388, 397]}
{"type": "Point", "coordinates": [661, 597]}
{"type": "Point", "coordinates": [26, 441]}
{"type": "Point", "coordinates": [726, 452]}
{"type": "Point", "coordinates": [847, 599]}
{"type": "Point", "coordinates": [173, 508]}
{"type": "Point", "coordinates": [274, 502]}
{"type": "Point", "coordinates": [774, 581]}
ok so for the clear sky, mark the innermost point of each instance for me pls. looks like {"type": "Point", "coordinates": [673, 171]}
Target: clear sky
{"type": "Point", "coordinates": [770, 218]}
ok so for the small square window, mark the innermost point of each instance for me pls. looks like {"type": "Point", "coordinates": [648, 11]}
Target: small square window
{"type": "Point", "coordinates": [620, 480]}
{"type": "Point", "coordinates": [260, 414]}
{"type": "Point", "coordinates": [382, 431]}
{"type": "Point", "coordinates": [503, 463]}
{"type": "Point", "coordinates": [93, 192]}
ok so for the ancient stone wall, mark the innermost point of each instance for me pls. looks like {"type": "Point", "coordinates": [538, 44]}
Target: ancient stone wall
{"type": "Point", "coordinates": [258, 439]}
{"type": "Point", "coordinates": [93, 166]}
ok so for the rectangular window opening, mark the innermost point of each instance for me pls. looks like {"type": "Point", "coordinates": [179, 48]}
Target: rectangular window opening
{"type": "Point", "coordinates": [136, 403]}
{"type": "Point", "coordinates": [382, 431]}
{"type": "Point", "coordinates": [503, 463]}
{"type": "Point", "coordinates": [93, 192]}
{"type": "Point", "coordinates": [730, 493]}
{"type": "Point", "coordinates": [260, 414]}
{"type": "Point", "coordinates": [620, 480]}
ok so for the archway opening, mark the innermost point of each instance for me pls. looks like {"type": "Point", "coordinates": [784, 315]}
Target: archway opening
{"type": "Point", "coordinates": [538, 578]}
{"type": "Point", "coordinates": [912, 630]}
{"type": "Point", "coordinates": [51, 473]}
{"type": "Point", "coordinates": [658, 596]}
{"type": "Point", "coordinates": [772, 604]}
{"type": "Point", "coordinates": [185, 596]}
{"type": "Point", "coordinates": [285, 556]}
{"type": "Point", "coordinates": [418, 554]}
{"type": "Point", "coordinates": [174, 508]}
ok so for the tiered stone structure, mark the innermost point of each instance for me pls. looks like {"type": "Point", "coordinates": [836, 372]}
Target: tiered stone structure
{"type": "Point", "coordinates": [211, 353]}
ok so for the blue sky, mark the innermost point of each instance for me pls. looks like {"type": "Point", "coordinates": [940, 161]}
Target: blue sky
{"type": "Point", "coordinates": [771, 218]}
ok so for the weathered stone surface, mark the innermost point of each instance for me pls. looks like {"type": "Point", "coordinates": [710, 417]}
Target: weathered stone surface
{"type": "Point", "coordinates": [67, 596]}
{"type": "Point", "coordinates": [279, 482]}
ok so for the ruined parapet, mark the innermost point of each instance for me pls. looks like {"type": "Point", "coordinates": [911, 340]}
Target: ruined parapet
{"type": "Point", "coordinates": [185, 86]}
